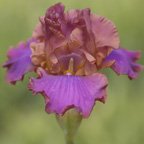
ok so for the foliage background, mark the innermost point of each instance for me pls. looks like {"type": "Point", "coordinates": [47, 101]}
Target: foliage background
{"type": "Point", "coordinates": [22, 116]}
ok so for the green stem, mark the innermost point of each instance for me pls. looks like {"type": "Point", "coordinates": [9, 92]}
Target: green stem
{"type": "Point", "coordinates": [69, 139]}
{"type": "Point", "coordinates": [70, 122]}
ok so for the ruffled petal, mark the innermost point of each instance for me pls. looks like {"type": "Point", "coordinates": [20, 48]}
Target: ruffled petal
{"type": "Point", "coordinates": [38, 32]}
{"type": "Point", "coordinates": [105, 32]}
{"type": "Point", "coordinates": [67, 91]}
{"type": "Point", "coordinates": [54, 20]}
{"type": "Point", "coordinates": [125, 62]}
{"type": "Point", "coordinates": [19, 62]}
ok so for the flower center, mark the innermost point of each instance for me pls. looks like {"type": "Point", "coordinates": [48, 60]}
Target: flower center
{"type": "Point", "coordinates": [70, 70]}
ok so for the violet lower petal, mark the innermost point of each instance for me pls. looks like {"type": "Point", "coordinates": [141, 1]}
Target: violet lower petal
{"type": "Point", "coordinates": [67, 91]}
{"type": "Point", "coordinates": [125, 62]}
{"type": "Point", "coordinates": [19, 62]}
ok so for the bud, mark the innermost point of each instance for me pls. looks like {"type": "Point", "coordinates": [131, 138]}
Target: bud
{"type": "Point", "coordinates": [70, 123]}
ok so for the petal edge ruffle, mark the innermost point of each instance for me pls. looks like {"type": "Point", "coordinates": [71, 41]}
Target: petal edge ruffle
{"type": "Point", "coordinates": [125, 62]}
{"type": "Point", "coordinates": [19, 62]}
{"type": "Point", "coordinates": [66, 91]}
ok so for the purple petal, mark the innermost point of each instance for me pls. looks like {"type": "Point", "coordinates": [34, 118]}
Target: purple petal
{"type": "Point", "coordinates": [125, 62]}
{"type": "Point", "coordinates": [67, 91]}
{"type": "Point", "coordinates": [19, 62]}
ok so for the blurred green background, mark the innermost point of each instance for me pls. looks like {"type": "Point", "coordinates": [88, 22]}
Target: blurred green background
{"type": "Point", "coordinates": [22, 116]}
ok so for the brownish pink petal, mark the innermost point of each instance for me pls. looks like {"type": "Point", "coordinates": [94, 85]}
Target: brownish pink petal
{"type": "Point", "coordinates": [89, 57]}
{"type": "Point", "coordinates": [105, 32]}
{"type": "Point", "coordinates": [90, 68]}
{"type": "Point", "coordinates": [38, 32]}
{"type": "Point", "coordinates": [76, 39]}
{"type": "Point", "coordinates": [38, 53]}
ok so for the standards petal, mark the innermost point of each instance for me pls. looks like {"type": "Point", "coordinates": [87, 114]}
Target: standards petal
{"type": "Point", "coordinates": [105, 32]}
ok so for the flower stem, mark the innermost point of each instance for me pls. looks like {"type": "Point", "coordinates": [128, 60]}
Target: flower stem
{"type": "Point", "coordinates": [69, 122]}
{"type": "Point", "coordinates": [69, 139]}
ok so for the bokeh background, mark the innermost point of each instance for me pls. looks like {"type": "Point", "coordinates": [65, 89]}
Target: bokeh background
{"type": "Point", "coordinates": [22, 116]}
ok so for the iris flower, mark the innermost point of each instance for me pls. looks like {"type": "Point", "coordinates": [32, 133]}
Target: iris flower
{"type": "Point", "coordinates": [67, 50]}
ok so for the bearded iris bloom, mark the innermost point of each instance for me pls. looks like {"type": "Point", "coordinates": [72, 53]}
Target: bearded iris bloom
{"type": "Point", "coordinates": [67, 50]}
